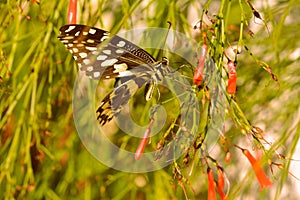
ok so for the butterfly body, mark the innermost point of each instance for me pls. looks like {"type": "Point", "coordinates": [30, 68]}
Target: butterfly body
{"type": "Point", "coordinates": [102, 55]}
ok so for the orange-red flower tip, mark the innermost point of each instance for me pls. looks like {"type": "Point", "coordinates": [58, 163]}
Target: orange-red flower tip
{"type": "Point", "coordinates": [211, 185]}
{"type": "Point", "coordinates": [262, 178]}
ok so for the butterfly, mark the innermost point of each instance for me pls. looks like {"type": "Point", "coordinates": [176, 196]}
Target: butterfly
{"type": "Point", "coordinates": [102, 55]}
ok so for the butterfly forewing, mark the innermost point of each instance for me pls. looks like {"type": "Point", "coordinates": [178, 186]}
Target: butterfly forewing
{"type": "Point", "coordinates": [103, 55]}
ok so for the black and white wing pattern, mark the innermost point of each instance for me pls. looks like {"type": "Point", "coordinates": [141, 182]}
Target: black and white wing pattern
{"type": "Point", "coordinates": [102, 55]}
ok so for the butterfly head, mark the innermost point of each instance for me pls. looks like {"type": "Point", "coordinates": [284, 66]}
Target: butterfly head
{"type": "Point", "coordinates": [164, 61]}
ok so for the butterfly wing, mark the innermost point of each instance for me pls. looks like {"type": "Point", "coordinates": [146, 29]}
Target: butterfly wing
{"type": "Point", "coordinates": [112, 104]}
{"type": "Point", "coordinates": [103, 55]}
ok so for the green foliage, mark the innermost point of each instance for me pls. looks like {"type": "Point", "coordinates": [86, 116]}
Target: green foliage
{"type": "Point", "coordinates": [41, 155]}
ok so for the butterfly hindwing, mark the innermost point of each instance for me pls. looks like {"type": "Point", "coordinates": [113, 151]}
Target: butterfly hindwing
{"type": "Point", "coordinates": [112, 104]}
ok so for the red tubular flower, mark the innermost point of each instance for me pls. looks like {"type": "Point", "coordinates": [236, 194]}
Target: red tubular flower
{"type": "Point", "coordinates": [262, 178]}
{"type": "Point", "coordinates": [72, 12]}
{"type": "Point", "coordinates": [221, 194]}
{"type": "Point", "coordinates": [199, 71]}
{"type": "Point", "coordinates": [140, 150]}
{"type": "Point", "coordinates": [221, 184]}
{"type": "Point", "coordinates": [211, 185]}
{"type": "Point", "coordinates": [231, 87]}
{"type": "Point", "coordinates": [227, 157]}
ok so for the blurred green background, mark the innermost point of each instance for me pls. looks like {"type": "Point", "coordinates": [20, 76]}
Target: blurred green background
{"type": "Point", "coordinates": [41, 154]}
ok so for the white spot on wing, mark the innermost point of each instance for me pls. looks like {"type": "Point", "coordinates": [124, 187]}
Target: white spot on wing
{"type": "Point", "coordinates": [83, 55]}
{"type": "Point", "coordinates": [85, 33]}
{"type": "Point", "coordinates": [90, 68]}
{"type": "Point", "coordinates": [91, 48]}
{"type": "Point", "coordinates": [75, 50]}
{"type": "Point", "coordinates": [70, 28]}
{"type": "Point", "coordinates": [120, 67]}
{"type": "Point", "coordinates": [121, 43]}
{"type": "Point", "coordinates": [90, 41]}
{"type": "Point", "coordinates": [96, 74]}
{"type": "Point", "coordinates": [92, 31]}
{"type": "Point", "coordinates": [77, 33]}
{"type": "Point", "coordinates": [101, 57]}
{"type": "Point", "coordinates": [126, 73]}
{"type": "Point", "coordinates": [119, 51]}
{"type": "Point", "coordinates": [107, 51]}
{"type": "Point", "coordinates": [109, 62]}
{"type": "Point", "coordinates": [86, 61]}
{"type": "Point", "coordinates": [104, 38]}
{"type": "Point", "coordinates": [70, 45]}
{"type": "Point", "coordinates": [68, 38]}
